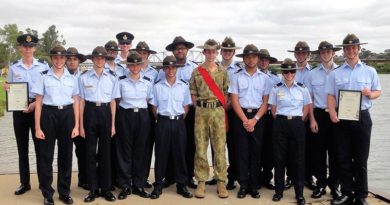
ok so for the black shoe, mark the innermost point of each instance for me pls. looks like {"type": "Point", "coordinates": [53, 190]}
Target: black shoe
{"type": "Point", "coordinates": [230, 185]}
{"type": "Point", "coordinates": [269, 186]}
{"type": "Point", "coordinates": [23, 188]}
{"type": "Point", "coordinates": [84, 186]}
{"type": "Point", "coordinates": [361, 201]}
{"type": "Point", "coordinates": [254, 193]}
{"type": "Point", "coordinates": [301, 200]}
{"type": "Point", "coordinates": [91, 196]}
{"type": "Point", "coordinates": [108, 196]}
{"type": "Point", "coordinates": [287, 184]}
{"type": "Point", "coordinates": [317, 193]}
{"type": "Point", "coordinates": [167, 182]}
{"type": "Point", "coordinates": [66, 199]}
{"type": "Point", "coordinates": [241, 193]}
{"type": "Point", "coordinates": [48, 201]}
{"type": "Point", "coordinates": [112, 188]}
{"type": "Point", "coordinates": [140, 192]}
{"type": "Point", "coordinates": [277, 197]}
{"type": "Point", "coordinates": [211, 182]}
{"type": "Point", "coordinates": [148, 185]}
{"type": "Point", "coordinates": [191, 184]}
{"type": "Point", "coordinates": [182, 190]}
{"type": "Point", "coordinates": [311, 184]}
{"type": "Point", "coordinates": [156, 193]}
{"type": "Point", "coordinates": [124, 193]}
{"type": "Point", "coordinates": [343, 200]}
{"type": "Point", "coordinates": [336, 193]}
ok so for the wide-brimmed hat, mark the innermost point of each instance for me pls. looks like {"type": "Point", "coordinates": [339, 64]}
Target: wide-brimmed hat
{"type": "Point", "coordinates": [301, 46]}
{"type": "Point", "coordinates": [288, 64]}
{"type": "Point", "coordinates": [124, 37]}
{"type": "Point", "coordinates": [170, 61]}
{"type": "Point", "coordinates": [210, 44]}
{"type": "Point", "coordinates": [263, 53]}
{"type": "Point", "coordinates": [325, 45]}
{"type": "Point", "coordinates": [351, 39]}
{"type": "Point", "coordinates": [100, 51]}
{"type": "Point", "coordinates": [179, 40]}
{"type": "Point", "coordinates": [143, 46]}
{"type": "Point", "coordinates": [72, 51]}
{"type": "Point", "coordinates": [248, 50]}
{"type": "Point", "coordinates": [133, 58]}
{"type": "Point", "coordinates": [229, 44]}
{"type": "Point", "coordinates": [111, 46]}
{"type": "Point", "coordinates": [27, 40]}
{"type": "Point", "coordinates": [58, 50]}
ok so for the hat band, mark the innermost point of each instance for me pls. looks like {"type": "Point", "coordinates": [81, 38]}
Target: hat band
{"type": "Point", "coordinates": [287, 66]}
{"type": "Point", "coordinates": [302, 49]}
{"type": "Point", "coordinates": [354, 41]}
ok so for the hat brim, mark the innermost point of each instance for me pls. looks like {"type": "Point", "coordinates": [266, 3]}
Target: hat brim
{"type": "Point", "coordinates": [350, 44]}
{"type": "Point", "coordinates": [175, 65]}
{"type": "Point", "coordinates": [106, 56]}
{"type": "Point", "coordinates": [80, 56]}
{"type": "Point", "coordinates": [31, 44]}
{"type": "Point", "coordinates": [131, 63]}
{"type": "Point", "coordinates": [282, 69]}
{"type": "Point", "coordinates": [241, 55]}
{"type": "Point", "coordinates": [172, 46]}
{"type": "Point", "coordinates": [216, 47]}
{"type": "Point", "coordinates": [270, 58]}
{"type": "Point", "coordinates": [110, 49]}
{"type": "Point", "coordinates": [230, 48]}
{"type": "Point", "coordinates": [149, 51]}
{"type": "Point", "coordinates": [293, 51]}
{"type": "Point", "coordinates": [318, 51]}
{"type": "Point", "coordinates": [55, 54]}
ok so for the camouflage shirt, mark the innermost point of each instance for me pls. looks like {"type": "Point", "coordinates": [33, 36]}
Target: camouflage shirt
{"type": "Point", "coordinates": [200, 89]}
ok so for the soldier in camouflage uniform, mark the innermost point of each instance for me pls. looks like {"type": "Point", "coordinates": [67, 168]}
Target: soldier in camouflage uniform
{"type": "Point", "coordinates": [208, 116]}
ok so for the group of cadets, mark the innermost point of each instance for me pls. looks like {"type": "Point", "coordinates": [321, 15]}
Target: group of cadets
{"type": "Point", "coordinates": [119, 110]}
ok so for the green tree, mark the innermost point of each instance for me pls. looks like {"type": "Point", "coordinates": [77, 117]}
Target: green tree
{"type": "Point", "coordinates": [51, 37]}
{"type": "Point", "coordinates": [8, 44]}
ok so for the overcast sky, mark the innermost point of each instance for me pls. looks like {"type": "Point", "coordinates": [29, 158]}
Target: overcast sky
{"type": "Point", "coordinates": [273, 24]}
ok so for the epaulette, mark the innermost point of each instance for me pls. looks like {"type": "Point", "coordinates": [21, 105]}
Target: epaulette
{"type": "Point", "coordinates": [239, 70]}
{"type": "Point", "coordinates": [184, 81]}
{"type": "Point", "coordinates": [147, 78]}
{"type": "Point", "coordinates": [122, 77]}
{"type": "Point", "coordinates": [194, 62]}
{"type": "Point", "coordinates": [44, 72]}
{"type": "Point", "coordinates": [118, 64]}
{"type": "Point", "coordinates": [15, 62]}
{"type": "Point", "coordinates": [337, 67]}
{"type": "Point", "coordinates": [153, 66]}
{"type": "Point", "coordinates": [112, 73]}
{"type": "Point", "coordinates": [42, 61]}
{"type": "Point", "coordinates": [238, 64]}
{"type": "Point", "coordinates": [301, 84]}
{"type": "Point", "coordinates": [278, 85]}
{"type": "Point", "coordinates": [273, 73]}
{"type": "Point", "coordinates": [84, 72]}
{"type": "Point", "coordinates": [157, 82]}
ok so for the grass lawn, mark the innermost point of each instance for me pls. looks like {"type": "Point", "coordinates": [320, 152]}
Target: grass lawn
{"type": "Point", "coordinates": [2, 97]}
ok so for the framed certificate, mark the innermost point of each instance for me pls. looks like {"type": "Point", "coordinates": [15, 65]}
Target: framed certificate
{"type": "Point", "coordinates": [17, 96]}
{"type": "Point", "coordinates": [349, 104]}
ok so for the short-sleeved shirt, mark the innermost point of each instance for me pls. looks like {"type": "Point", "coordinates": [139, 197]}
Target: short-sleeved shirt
{"type": "Point", "coordinates": [250, 89]}
{"type": "Point", "coordinates": [201, 90]}
{"type": "Point", "coordinates": [183, 73]}
{"type": "Point", "coordinates": [302, 75]}
{"type": "Point", "coordinates": [358, 78]}
{"type": "Point", "coordinates": [96, 88]}
{"type": "Point", "coordinates": [289, 101]}
{"type": "Point", "coordinates": [233, 68]}
{"type": "Point", "coordinates": [135, 93]}
{"type": "Point", "coordinates": [119, 69]}
{"type": "Point", "coordinates": [316, 83]}
{"type": "Point", "coordinates": [150, 72]}
{"type": "Point", "coordinates": [275, 79]}
{"type": "Point", "coordinates": [55, 90]}
{"type": "Point", "coordinates": [170, 100]}
{"type": "Point", "coordinates": [19, 73]}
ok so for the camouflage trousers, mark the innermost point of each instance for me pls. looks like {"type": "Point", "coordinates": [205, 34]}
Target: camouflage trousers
{"type": "Point", "coordinates": [210, 126]}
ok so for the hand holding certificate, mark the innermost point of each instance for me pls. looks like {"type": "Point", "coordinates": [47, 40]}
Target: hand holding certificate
{"type": "Point", "coordinates": [349, 105]}
{"type": "Point", "coordinates": [17, 96]}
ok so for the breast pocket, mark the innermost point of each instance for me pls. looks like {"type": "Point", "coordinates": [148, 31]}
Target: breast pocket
{"type": "Point", "coordinates": [52, 87]}
{"type": "Point", "coordinates": [243, 86]}
{"type": "Point", "coordinates": [142, 92]}
{"type": "Point", "coordinates": [342, 83]}
{"type": "Point", "coordinates": [259, 88]}
{"type": "Point", "coordinates": [364, 83]}
{"type": "Point", "coordinates": [318, 85]}
{"type": "Point", "coordinates": [68, 88]}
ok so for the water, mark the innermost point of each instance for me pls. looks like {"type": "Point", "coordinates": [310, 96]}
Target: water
{"type": "Point", "coordinates": [378, 163]}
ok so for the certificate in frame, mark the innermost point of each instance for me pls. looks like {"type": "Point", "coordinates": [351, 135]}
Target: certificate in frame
{"type": "Point", "coordinates": [349, 105]}
{"type": "Point", "coordinates": [17, 96]}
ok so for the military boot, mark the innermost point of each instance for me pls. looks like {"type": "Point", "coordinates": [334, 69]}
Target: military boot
{"type": "Point", "coordinates": [200, 190]}
{"type": "Point", "coordinates": [221, 190]}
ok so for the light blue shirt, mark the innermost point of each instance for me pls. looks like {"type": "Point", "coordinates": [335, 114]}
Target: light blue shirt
{"type": "Point", "coordinates": [316, 83]}
{"type": "Point", "coordinates": [19, 73]}
{"type": "Point", "coordinates": [119, 69]}
{"type": "Point", "coordinates": [183, 73]}
{"type": "Point", "coordinates": [170, 100]}
{"type": "Point", "coordinates": [250, 89]}
{"type": "Point", "coordinates": [358, 78]}
{"type": "Point", "coordinates": [118, 60]}
{"type": "Point", "coordinates": [289, 101]}
{"type": "Point", "coordinates": [302, 75]}
{"type": "Point", "coordinates": [135, 94]}
{"type": "Point", "coordinates": [56, 91]}
{"type": "Point", "coordinates": [275, 79]}
{"type": "Point", "coordinates": [96, 88]}
{"type": "Point", "coordinates": [232, 68]}
{"type": "Point", "coordinates": [150, 72]}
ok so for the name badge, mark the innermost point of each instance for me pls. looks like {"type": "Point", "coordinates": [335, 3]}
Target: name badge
{"type": "Point", "coordinates": [281, 94]}
{"type": "Point", "coordinates": [88, 86]}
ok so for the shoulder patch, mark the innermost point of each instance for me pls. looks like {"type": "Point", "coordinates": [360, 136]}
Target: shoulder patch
{"type": "Point", "coordinates": [273, 73]}
{"type": "Point", "coordinates": [278, 85]}
{"type": "Point", "coordinates": [184, 81]}
{"type": "Point", "coordinates": [147, 78]}
{"type": "Point", "coordinates": [15, 62]}
{"type": "Point", "coordinates": [337, 67]}
{"type": "Point", "coordinates": [44, 72]}
{"type": "Point", "coordinates": [122, 77]}
{"type": "Point", "coordinates": [157, 82]}
{"type": "Point", "coordinates": [194, 62]}
{"type": "Point", "coordinates": [84, 72]}
{"type": "Point", "coordinates": [112, 73]}
{"type": "Point", "coordinates": [42, 61]}
{"type": "Point", "coordinates": [239, 70]}
{"type": "Point", "coordinates": [301, 84]}
{"type": "Point", "coordinates": [119, 65]}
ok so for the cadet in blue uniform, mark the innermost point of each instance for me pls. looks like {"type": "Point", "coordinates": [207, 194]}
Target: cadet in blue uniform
{"type": "Point", "coordinates": [57, 118]}
{"type": "Point", "coordinates": [124, 40]}
{"type": "Point", "coordinates": [171, 98]}
{"type": "Point", "coordinates": [289, 102]}
{"type": "Point", "coordinates": [73, 60]}
{"type": "Point", "coordinates": [112, 50]}
{"type": "Point", "coordinates": [266, 164]}
{"type": "Point", "coordinates": [320, 124]}
{"type": "Point", "coordinates": [133, 128]}
{"type": "Point", "coordinates": [27, 69]}
{"type": "Point", "coordinates": [353, 137]}
{"type": "Point", "coordinates": [249, 91]}
{"type": "Point", "coordinates": [98, 91]}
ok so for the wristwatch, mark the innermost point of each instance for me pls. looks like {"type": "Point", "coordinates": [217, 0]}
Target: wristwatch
{"type": "Point", "coordinates": [257, 118]}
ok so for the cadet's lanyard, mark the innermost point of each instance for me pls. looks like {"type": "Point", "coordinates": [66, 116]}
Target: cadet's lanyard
{"type": "Point", "coordinates": [215, 89]}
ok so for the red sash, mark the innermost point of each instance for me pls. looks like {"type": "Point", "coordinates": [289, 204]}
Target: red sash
{"type": "Point", "coordinates": [215, 89]}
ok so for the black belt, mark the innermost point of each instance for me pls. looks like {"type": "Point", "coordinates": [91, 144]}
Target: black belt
{"type": "Point", "coordinates": [58, 107]}
{"type": "Point", "coordinates": [96, 104]}
{"type": "Point", "coordinates": [134, 109]}
{"type": "Point", "coordinates": [172, 117]}
{"type": "Point", "coordinates": [322, 110]}
{"type": "Point", "coordinates": [250, 110]}
{"type": "Point", "coordinates": [205, 104]}
{"type": "Point", "coordinates": [288, 117]}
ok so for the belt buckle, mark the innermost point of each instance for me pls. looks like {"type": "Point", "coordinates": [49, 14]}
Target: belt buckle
{"type": "Point", "coordinates": [171, 117]}
{"type": "Point", "coordinates": [326, 110]}
{"type": "Point", "coordinates": [60, 107]}
{"type": "Point", "coordinates": [98, 104]}
{"type": "Point", "coordinates": [135, 109]}
{"type": "Point", "coordinates": [289, 117]}
{"type": "Point", "coordinates": [249, 110]}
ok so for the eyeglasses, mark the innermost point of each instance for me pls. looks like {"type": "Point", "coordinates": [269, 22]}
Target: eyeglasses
{"type": "Point", "coordinates": [124, 43]}
{"type": "Point", "coordinates": [288, 71]}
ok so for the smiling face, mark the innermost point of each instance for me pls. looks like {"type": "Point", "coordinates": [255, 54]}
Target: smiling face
{"type": "Point", "coordinates": [301, 56]}
{"type": "Point", "coordinates": [251, 60]}
{"type": "Point", "coordinates": [170, 71]}
{"type": "Point", "coordinates": [58, 61]}
{"type": "Point", "coordinates": [227, 54]}
{"type": "Point", "coordinates": [99, 61]}
{"type": "Point", "coordinates": [288, 75]}
{"type": "Point", "coordinates": [326, 55]}
{"type": "Point", "coordinates": [351, 52]}
{"type": "Point", "coordinates": [134, 68]}
{"type": "Point", "coordinates": [210, 55]}
{"type": "Point", "coordinates": [263, 63]}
